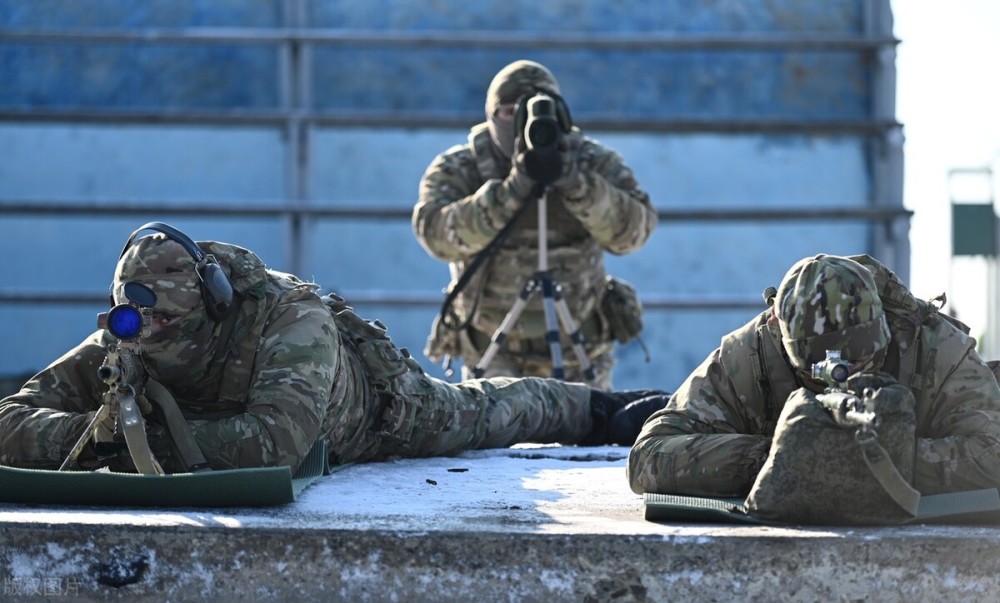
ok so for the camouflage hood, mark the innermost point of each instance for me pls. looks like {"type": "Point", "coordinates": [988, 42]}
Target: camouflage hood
{"type": "Point", "coordinates": [518, 79]}
{"type": "Point", "coordinates": [189, 340]}
{"type": "Point", "coordinates": [830, 303]}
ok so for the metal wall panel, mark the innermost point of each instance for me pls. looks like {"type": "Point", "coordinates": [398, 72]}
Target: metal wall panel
{"type": "Point", "coordinates": [185, 108]}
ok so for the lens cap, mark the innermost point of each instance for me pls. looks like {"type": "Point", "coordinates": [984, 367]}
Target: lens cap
{"type": "Point", "coordinates": [140, 294]}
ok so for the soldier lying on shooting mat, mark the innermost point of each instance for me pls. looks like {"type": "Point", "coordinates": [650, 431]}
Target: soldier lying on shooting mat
{"type": "Point", "coordinates": [751, 418]}
{"type": "Point", "coordinates": [470, 192]}
{"type": "Point", "coordinates": [262, 376]}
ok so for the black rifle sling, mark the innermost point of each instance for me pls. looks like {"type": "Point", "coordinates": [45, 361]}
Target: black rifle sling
{"type": "Point", "coordinates": [479, 259]}
{"type": "Point", "coordinates": [180, 432]}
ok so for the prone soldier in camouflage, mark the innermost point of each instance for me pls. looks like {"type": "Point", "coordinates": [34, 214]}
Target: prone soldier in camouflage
{"type": "Point", "coordinates": [715, 433]}
{"type": "Point", "coordinates": [283, 368]}
{"type": "Point", "coordinates": [470, 192]}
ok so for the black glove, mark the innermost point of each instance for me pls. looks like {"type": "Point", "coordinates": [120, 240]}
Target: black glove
{"type": "Point", "coordinates": [544, 168]}
{"type": "Point", "coordinates": [519, 182]}
{"type": "Point", "coordinates": [619, 416]}
{"type": "Point", "coordinates": [627, 423]}
{"type": "Point", "coordinates": [571, 181]}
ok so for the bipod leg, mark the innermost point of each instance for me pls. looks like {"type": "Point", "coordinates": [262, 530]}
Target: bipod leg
{"type": "Point", "coordinates": [500, 335]}
{"type": "Point", "coordinates": [102, 413]}
{"type": "Point", "coordinates": [575, 334]}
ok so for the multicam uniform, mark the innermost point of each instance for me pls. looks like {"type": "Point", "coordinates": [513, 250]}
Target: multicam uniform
{"type": "Point", "coordinates": [466, 199]}
{"type": "Point", "coordinates": [287, 367]}
{"type": "Point", "coordinates": [715, 433]}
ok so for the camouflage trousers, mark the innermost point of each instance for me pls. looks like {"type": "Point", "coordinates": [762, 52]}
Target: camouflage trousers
{"type": "Point", "coordinates": [430, 417]}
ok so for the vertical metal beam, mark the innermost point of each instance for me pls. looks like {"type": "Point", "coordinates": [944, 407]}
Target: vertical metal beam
{"type": "Point", "coordinates": [296, 98]}
{"type": "Point", "coordinates": [989, 347]}
{"type": "Point", "coordinates": [890, 241]}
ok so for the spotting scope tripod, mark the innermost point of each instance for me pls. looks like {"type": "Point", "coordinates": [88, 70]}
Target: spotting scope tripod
{"type": "Point", "coordinates": [553, 305]}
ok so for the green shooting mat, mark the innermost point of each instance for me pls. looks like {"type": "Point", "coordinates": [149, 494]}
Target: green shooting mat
{"type": "Point", "coordinates": [256, 487]}
{"type": "Point", "coordinates": [974, 506]}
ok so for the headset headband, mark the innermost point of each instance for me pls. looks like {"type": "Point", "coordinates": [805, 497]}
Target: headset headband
{"type": "Point", "coordinates": [216, 289]}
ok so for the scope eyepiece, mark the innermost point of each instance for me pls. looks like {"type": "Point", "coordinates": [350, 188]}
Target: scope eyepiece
{"type": "Point", "coordinates": [124, 321]}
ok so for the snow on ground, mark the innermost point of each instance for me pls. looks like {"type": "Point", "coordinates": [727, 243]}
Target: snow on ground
{"type": "Point", "coordinates": [526, 488]}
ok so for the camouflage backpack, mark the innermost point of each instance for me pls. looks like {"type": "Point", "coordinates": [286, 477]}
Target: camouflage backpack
{"type": "Point", "coordinates": [850, 476]}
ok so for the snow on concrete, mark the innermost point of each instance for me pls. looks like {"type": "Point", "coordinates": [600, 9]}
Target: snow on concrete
{"type": "Point", "coordinates": [524, 488]}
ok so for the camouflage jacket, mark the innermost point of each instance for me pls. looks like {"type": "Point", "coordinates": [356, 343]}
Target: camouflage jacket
{"type": "Point", "coordinates": [459, 213]}
{"type": "Point", "coordinates": [286, 380]}
{"type": "Point", "coordinates": [715, 433]}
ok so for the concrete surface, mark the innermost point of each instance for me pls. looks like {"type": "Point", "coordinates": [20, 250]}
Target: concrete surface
{"type": "Point", "coordinates": [525, 524]}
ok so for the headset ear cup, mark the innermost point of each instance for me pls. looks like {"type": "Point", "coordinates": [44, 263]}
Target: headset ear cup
{"type": "Point", "coordinates": [216, 289]}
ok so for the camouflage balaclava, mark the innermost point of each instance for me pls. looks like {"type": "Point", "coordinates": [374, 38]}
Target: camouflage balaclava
{"type": "Point", "coordinates": [185, 349]}
{"type": "Point", "coordinates": [510, 84]}
{"type": "Point", "coordinates": [831, 303]}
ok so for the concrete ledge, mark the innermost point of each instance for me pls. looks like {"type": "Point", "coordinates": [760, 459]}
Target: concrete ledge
{"type": "Point", "coordinates": [549, 524]}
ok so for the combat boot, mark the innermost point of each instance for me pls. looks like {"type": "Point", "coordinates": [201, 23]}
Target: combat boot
{"type": "Point", "coordinates": [618, 416]}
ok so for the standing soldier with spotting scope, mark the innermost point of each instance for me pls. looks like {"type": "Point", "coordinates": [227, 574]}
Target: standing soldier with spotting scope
{"type": "Point", "coordinates": [477, 210]}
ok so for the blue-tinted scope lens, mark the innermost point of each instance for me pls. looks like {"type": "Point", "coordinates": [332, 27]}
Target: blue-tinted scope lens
{"type": "Point", "coordinates": [125, 321]}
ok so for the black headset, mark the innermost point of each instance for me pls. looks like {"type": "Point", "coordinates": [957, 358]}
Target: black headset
{"type": "Point", "coordinates": [216, 289]}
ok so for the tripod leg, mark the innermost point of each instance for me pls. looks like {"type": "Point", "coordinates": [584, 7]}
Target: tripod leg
{"type": "Point", "coordinates": [575, 334]}
{"type": "Point", "coordinates": [552, 326]}
{"type": "Point", "coordinates": [500, 335]}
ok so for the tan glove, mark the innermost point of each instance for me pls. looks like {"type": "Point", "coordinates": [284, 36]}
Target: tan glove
{"type": "Point", "coordinates": [104, 429]}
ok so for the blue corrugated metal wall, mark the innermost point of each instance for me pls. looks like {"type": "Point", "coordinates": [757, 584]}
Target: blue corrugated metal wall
{"type": "Point", "coordinates": [378, 164]}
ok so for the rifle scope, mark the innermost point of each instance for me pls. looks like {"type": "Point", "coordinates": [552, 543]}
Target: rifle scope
{"type": "Point", "coordinates": [832, 369]}
{"type": "Point", "coordinates": [124, 321]}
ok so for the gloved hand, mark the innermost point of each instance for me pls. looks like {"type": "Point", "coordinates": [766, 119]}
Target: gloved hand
{"type": "Point", "coordinates": [618, 416]}
{"type": "Point", "coordinates": [571, 181]}
{"type": "Point", "coordinates": [104, 429]}
{"type": "Point", "coordinates": [519, 182]}
{"type": "Point", "coordinates": [889, 398]}
{"type": "Point", "coordinates": [859, 382]}
{"type": "Point", "coordinates": [543, 168]}
{"type": "Point", "coordinates": [106, 442]}
{"type": "Point", "coordinates": [112, 454]}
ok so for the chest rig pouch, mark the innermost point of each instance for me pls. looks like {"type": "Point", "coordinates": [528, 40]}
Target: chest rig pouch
{"type": "Point", "coordinates": [369, 338]}
{"type": "Point", "coordinates": [621, 309]}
